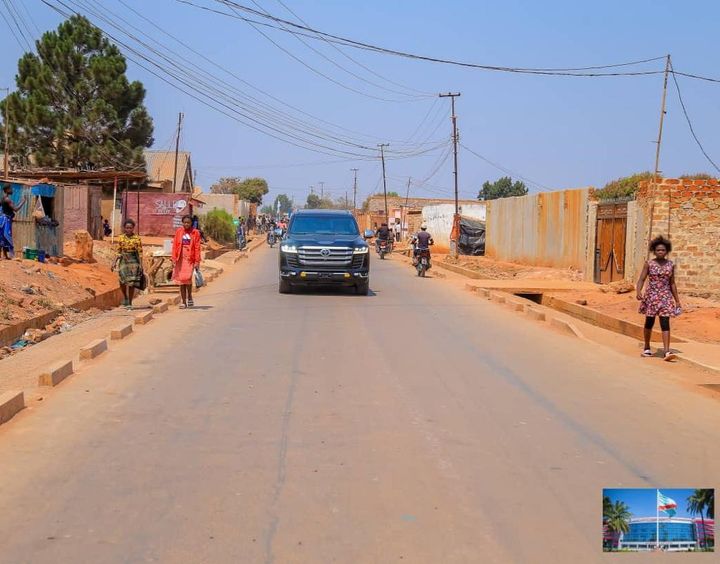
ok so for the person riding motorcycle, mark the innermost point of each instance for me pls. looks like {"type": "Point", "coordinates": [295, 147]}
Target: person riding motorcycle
{"type": "Point", "coordinates": [421, 241]}
{"type": "Point", "coordinates": [382, 234]}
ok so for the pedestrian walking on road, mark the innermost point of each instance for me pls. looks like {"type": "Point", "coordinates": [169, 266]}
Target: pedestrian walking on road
{"type": "Point", "coordinates": [661, 296]}
{"type": "Point", "coordinates": [7, 214]}
{"type": "Point", "coordinates": [186, 259]}
{"type": "Point", "coordinates": [129, 263]}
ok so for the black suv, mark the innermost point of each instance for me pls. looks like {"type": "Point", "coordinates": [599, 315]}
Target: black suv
{"type": "Point", "coordinates": [324, 247]}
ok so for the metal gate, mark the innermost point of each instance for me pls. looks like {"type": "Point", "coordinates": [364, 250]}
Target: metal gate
{"type": "Point", "coordinates": [610, 232]}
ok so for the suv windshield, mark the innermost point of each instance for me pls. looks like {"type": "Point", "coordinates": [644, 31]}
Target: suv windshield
{"type": "Point", "coordinates": [331, 225]}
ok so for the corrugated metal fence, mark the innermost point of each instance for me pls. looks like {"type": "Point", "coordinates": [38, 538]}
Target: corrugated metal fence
{"type": "Point", "coordinates": [548, 229]}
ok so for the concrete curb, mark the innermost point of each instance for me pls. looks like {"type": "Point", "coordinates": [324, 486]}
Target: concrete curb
{"type": "Point", "coordinates": [565, 327]}
{"type": "Point", "coordinates": [93, 349]}
{"type": "Point", "coordinates": [56, 373]}
{"type": "Point", "coordinates": [535, 314]}
{"type": "Point", "coordinates": [121, 332]}
{"type": "Point", "coordinates": [160, 308]}
{"type": "Point", "coordinates": [10, 404]}
{"type": "Point", "coordinates": [143, 318]}
{"type": "Point", "coordinates": [497, 297]}
{"type": "Point", "coordinates": [174, 300]}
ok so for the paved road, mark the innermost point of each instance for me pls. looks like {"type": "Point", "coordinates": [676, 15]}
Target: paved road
{"type": "Point", "coordinates": [418, 424]}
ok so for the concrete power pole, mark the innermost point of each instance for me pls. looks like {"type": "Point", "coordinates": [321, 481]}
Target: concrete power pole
{"type": "Point", "coordinates": [177, 149]}
{"type": "Point", "coordinates": [322, 190]}
{"type": "Point", "coordinates": [455, 159]}
{"type": "Point", "coordinates": [355, 171]}
{"type": "Point", "coordinates": [382, 157]}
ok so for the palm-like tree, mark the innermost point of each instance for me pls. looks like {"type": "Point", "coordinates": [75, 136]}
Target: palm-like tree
{"type": "Point", "coordinates": [617, 516]}
{"type": "Point", "coordinates": [700, 501]}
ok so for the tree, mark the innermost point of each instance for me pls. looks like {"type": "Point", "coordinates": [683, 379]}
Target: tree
{"type": "Point", "coordinates": [315, 202]}
{"type": "Point", "coordinates": [702, 501]}
{"type": "Point", "coordinates": [267, 210]}
{"type": "Point", "coordinates": [502, 188]}
{"type": "Point", "coordinates": [74, 105]}
{"type": "Point", "coordinates": [249, 189]}
{"type": "Point", "coordinates": [286, 204]}
{"type": "Point", "coordinates": [617, 517]}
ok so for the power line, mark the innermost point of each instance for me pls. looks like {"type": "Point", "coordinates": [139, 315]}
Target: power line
{"type": "Point", "coordinates": [690, 125]}
{"type": "Point", "coordinates": [504, 169]}
{"type": "Point", "coordinates": [319, 35]}
{"type": "Point", "coordinates": [361, 65]}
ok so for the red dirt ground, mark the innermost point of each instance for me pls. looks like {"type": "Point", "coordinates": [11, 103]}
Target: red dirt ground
{"type": "Point", "coordinates": [699, 321]}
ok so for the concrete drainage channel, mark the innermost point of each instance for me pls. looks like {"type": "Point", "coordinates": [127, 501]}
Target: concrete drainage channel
{"type": "Point", "coordinates": [12, 402]}
{"type": "Point", "coordinates": [527, 304]}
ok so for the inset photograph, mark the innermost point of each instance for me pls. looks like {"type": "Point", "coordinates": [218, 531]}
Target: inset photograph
{"type": "Point", "coordinates": [652, 520]}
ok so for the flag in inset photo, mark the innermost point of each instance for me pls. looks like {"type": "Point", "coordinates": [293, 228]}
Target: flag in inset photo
{"type": "Point", "coordinates": [666, 504]}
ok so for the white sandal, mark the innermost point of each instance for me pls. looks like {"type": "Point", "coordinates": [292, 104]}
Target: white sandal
{"type": "Point", "coordinates": [669, 356]}
{"type": "Point", "coordinates": [647, 352]}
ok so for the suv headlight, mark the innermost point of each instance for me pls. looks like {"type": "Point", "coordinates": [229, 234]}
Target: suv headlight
{"type": "Point", "coordinates": [360, 250]}
{"type": "Point", "coordinates": [285, 248]}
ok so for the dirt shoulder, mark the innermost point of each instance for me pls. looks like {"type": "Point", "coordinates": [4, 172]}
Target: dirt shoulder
{"type": "Point", "coordinates": [700, 320]}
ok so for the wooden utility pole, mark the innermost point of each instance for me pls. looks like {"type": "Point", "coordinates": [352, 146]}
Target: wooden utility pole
{"type": "Point", "coordinates": [382, 157]}
{"type": "Point", "coordinates": [7, 134]}
{"type": "Point", "coordinates": [657, 148]}
{"type": "Point", "coordinates": [453, 117]}
{"type": "Point", "coordinates": [322, 190]}
{"type": "Point", "coordinates": [355, 171]}
{"type": "Point", "coordinates": [177, 149]}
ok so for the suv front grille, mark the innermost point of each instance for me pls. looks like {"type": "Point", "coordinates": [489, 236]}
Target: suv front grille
{"type": "Point", "coordinates": [358, 260]}
{"type": "Point", "coordinates": [325, 257]}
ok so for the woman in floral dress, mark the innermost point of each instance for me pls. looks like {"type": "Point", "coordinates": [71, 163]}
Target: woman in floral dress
{"type": "Point", "coordinates": [661, 297]}
{"type": "Point", "coordinates": [129, 262]}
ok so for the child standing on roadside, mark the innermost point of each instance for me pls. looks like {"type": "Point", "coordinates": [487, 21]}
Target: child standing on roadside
{"type": "Point", "coordinates": [661, 296]}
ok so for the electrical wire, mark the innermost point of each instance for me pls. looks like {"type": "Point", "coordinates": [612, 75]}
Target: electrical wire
{"type": "Point", "coordinates": [361, 65]}
{"type": "Point", "coordinates": [13, 17]}
{"type": "Point", "coordinates": [689, 122]}
{"type": "Point", "coordinates": [190, 80]}
{"type": "Point", "coordinates": [504, 169]}
{"type": "Point", "coordinates": [576, 71]}
{"type": "Point", "coordinates": [241, 80]}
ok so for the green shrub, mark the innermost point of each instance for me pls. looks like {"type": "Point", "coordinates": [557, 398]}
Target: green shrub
{"type": "Point", "coordinates": [622, 188]}
{"type": "Point", "coordinates": [218, 225]}
{"type": "Point", "coordinates": [697, 176]}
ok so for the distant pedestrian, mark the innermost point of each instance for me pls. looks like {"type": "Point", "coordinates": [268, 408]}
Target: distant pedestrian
{"type": "Point", "coordinates": [661, 296]}
{"type": "Point", "coordinates": [107, 230]}
{"type": "Point", "coordinates": [7, 215]}
{"type": "Point", "coordinates": [186, 258]}
{"type": "Point", "coordinates": [129, 263]}
{"type": "Point", "coordinates": [397, 230]}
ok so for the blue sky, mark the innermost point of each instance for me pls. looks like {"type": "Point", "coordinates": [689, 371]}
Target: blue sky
{"type": "Point", "coordinates": [557, 131]}
{"type": "Point", "coordinates": [642, 501]}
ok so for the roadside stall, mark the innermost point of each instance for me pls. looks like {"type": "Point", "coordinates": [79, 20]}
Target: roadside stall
{"type": "Point", "coordinates": [37, 227]}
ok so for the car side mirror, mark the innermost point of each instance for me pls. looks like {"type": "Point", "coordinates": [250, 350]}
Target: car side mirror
{"type": "Point", "coordinates": [369, 234]}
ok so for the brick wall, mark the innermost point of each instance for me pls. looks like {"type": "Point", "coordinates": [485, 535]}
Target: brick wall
{"type": "Point", "coordinates": [688, 213]}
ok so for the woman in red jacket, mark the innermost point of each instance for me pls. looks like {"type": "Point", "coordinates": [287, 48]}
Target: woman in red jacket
{"type": "Point", "coordinates": [186, 258]}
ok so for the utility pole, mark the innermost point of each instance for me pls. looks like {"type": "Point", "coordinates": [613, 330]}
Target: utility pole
{"type": "Point", "coordinates": [403, 216]}
{"type": "Point", "coordinates": [657, 148]}
{"type": "Point", "coordinates": [355, 171]}
{"type": "Point", "coordinates": [7, 133]}
{"type": "Point", "coordinates": [453, 117]}
{"type": "Point", "coordinates": [322, 190]}
{"type": "Point", "coordinates": [177, 149]}
{"type": "Point", "coordinates": [382, 157]}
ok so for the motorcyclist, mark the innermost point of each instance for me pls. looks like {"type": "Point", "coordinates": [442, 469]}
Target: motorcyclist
{"type": "Point", "coordinates": [382, 234]}
{"type": "Point", "coordinates": [421, 241]}
{"type": "Point", "coordinates": [271, 229]}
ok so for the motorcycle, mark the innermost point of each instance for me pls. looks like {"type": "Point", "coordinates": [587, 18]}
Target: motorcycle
{"type": "Point", "coordinates": [422, 261]}
{"type": "Point", "coordinates": [384, 247]}
{"type": "Point", "coordinates": [271, 238]}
